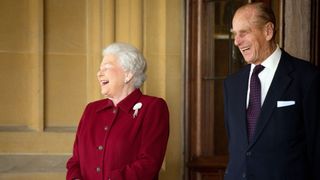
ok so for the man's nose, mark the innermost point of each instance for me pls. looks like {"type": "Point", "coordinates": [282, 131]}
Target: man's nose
{"type": "Point", "coordinates": [237, 40]}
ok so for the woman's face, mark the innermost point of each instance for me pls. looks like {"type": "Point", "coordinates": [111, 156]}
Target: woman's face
{"type": "Point", "coordinates": [111, 77]}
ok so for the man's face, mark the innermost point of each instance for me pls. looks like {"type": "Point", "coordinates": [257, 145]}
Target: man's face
{"type": "Point", "coordinates": [252, 41]}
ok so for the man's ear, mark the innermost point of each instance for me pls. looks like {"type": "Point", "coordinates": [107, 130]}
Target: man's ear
{"type": "Point", "coordinates": [269, 31]}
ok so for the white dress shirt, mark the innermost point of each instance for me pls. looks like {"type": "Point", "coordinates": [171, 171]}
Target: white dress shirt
{"type": "Point", "coordinates": [267, 74]}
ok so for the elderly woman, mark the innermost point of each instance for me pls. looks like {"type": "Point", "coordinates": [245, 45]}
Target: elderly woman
{"type": "Point", "coordinates": [125, 135]}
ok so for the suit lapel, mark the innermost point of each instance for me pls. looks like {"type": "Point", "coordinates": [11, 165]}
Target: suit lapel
{"type": "Point", "coordinates": [240, 96]}
{"type": "Point", "coordinates": [278, 86]}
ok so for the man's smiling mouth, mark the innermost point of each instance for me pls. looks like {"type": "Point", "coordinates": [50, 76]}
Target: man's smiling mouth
{"type": "Point", "coordinates": [245, 49]}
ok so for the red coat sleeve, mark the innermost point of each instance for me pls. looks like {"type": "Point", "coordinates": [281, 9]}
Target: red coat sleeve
{"type": "Point", "coordinates": [73, 164]}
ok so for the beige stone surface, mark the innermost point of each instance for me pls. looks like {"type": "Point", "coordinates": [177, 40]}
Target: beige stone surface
{"type": "Point", "coordinates": [49, 55]}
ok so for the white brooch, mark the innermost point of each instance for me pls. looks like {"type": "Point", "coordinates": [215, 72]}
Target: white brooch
{"type": "Point", "coordinates": [136, 108]}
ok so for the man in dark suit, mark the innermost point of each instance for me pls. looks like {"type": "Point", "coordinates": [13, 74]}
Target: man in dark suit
{"type": "Point", "coordinates": [272, 105]}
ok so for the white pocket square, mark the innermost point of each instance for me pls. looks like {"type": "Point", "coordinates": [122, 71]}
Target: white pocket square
{"type": "Point", "coordinates": [285, 103]}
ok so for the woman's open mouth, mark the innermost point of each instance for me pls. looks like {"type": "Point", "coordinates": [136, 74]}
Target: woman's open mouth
{"type": "Point", "coordinates": [104, 82]}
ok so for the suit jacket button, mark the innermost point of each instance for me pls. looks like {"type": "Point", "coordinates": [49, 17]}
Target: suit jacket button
{"type": "Point", "coordinates": [244, 175]}
{"type": "Point", "coordinates": [249, 153]}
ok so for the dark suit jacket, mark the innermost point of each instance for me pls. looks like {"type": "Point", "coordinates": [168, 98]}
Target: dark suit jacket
{"type": "Point", "coordinates": [286, 144]}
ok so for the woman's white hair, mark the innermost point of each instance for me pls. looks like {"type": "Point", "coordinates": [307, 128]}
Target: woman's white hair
{"type": "Point", "coordinates": [130, 59]}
